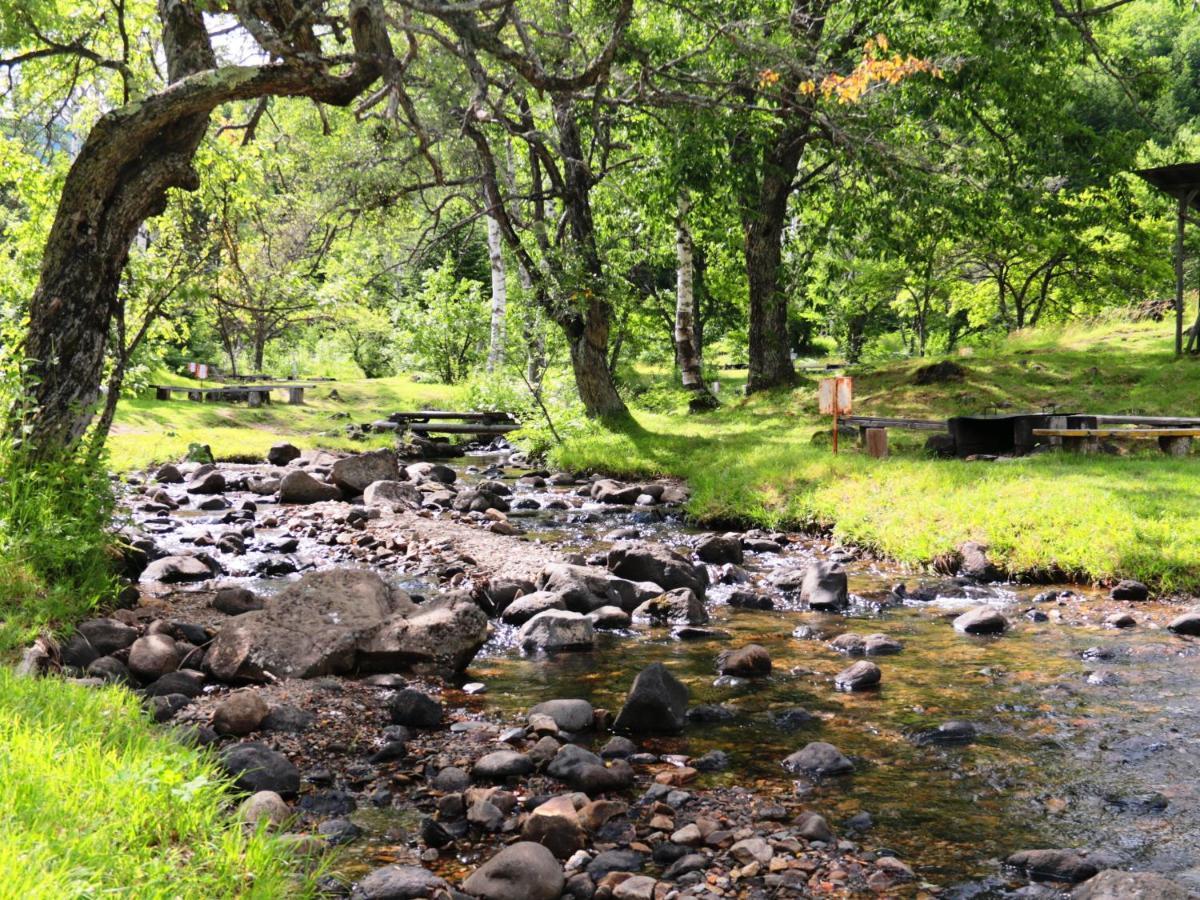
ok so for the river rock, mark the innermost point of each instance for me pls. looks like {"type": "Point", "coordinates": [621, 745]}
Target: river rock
{"type": "Point", "coordinates": [400, 883]}
{"type": "Point", "coordinates": [584, 589]}
{"type": "Point", "coordinates": [153, 656]}
{"type": "Point", "coordinates": [813, 827]}
{"type": "Point", "coordinates": [953, 731]}
{"type": "Point", "coordinates": [392, 494]}
{"type": "Point", "coordinates": [720, 548]}
{"type": "Point", "coordinates": [282, 454]}
{"type": "Point", "coordinates": [169, 474]}
{"type": "Point", "coordinates": [610, 617]}
{"type": "Point", "coordinates": [354, 474]}
{"type": "Point", "coordinates": [750, 661]}
{"type": "Point", "coordinates": [522, 871]}
{"type": "Point", "coordinates": [820, 759]}
{"type": "Point", "coordinates": [975, 564]}
{"type": "Point", "coordinates": [107, 636]}
{"type": "Point", "coordinates": [500, 765]}
{"type": "Point", "coordinates": [263, 806]}
{"type": "Point", "coordinates": [77, 652]}
{"type": "Point", "coordinates": [556, 630]}
{"type": "Point", "coordinates": [556, 826]}
{"type": "Point", "coordinates": [208, 483]}
{"type": "Point", "coordinates": [981, 620]}
{"type": "Point", "coordinates": [608, 491]}
{"type": "Point", "coordinates": [1187, 623]}
{"type": "Point", "coordinates": [179, 569]}
{"type": "Point", "coordinates": [1054, 865]}
{"type": "Point", "coordinates": [1120, 620]}
{"type": "Point", "coordinates": [234, 600]}
{"type": "Point", "coordinates": [680, 606]}
{"type": "Point", "coordinates": [109, 669]}
{"type": "Point", "coordinates": [427, 471]}
{"type": "Point", "coordinates": [301, 488]}
{"type": "Point", "coordinates": [653, 562]}
{"type": "Point", "coordinates": [657, 702]}
{"type": "Point", "coordinates": [569, 715]}
{"type": "Point", "coordinates": [439, 636]}
{"type": "Point", "coordinates": [410, 707]}
{"type": "Point", "coordinates": [522, 609]}
{"type": "Point", "coordinates": [860, 676]}
{"type": "Point", "coordinates": [825, 586]}
{"type": "Point", "coordinates": [256, 767]}
{"type": "Point", "coordinates": [240, 713]}
{"type": "Point", "coordinates": [1129, 590]}
{"type": "Point", "coordinates": [1114, 884]}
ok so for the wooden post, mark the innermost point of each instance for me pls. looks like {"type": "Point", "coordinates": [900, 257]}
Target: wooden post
{"type": "Point", "coordinates": [877, 445]}
{"type": "Point", "coordinates": [296, 396]}
{"type": "Point", "coordinates": [162, 393]}
{"type": "Point", "coordinates": [1175, 446]}
{"type": "Point", "coordinates": [1057, 422]}
{"type": "Point", "coordinates": [196, 396]}
{"type": "Point", "coordinates": [254, 399]}
{"type": "Point", "coordinates": [1181, 221]}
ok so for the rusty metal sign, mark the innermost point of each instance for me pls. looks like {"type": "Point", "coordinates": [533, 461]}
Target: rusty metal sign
{"type": "Point", "coordinates": [835, 397]}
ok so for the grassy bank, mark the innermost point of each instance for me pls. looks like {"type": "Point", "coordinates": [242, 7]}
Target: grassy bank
{"type": "Point", "coordinates": [148, 431]}
{"type": "Point", "coordinates": [94, 802]}
{"type": "Point", "coordinates": [1097, 517]}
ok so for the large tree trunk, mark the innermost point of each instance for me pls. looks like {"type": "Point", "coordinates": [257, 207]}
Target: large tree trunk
{"type": "Point", "coordinates": [496, 346]}
{"type": "Point", "coordinates": [128, 162]}
{"type": "Point", "coordinates": [763, 224]}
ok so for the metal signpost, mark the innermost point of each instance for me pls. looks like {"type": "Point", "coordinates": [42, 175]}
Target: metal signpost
{"type": "Point", "coordinates": [835, 398]}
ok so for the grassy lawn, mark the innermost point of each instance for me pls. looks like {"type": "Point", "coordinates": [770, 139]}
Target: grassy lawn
{"type": "Point", "coordinates": [149, 431]}
{"type": "Point", "coordinates": [94, 802]}
{"type": "Point", "coordinates": [1098, 517]}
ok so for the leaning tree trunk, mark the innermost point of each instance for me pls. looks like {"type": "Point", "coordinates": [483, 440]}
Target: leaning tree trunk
{"type": "Point", "coordinates": [496, 346]}
{"type": "Point", "coordinates": [687, 349]}
{"type": "Point", "coordinates": [129, 161]}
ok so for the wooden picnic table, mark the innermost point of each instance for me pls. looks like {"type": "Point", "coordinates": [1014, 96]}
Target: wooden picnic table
{"type": "Point", "coordinates": [426, 415]}
{"type": "Point", "coordinates": [256, 394]}
{"type": "Point", "coordinates": [445, 421]}
{"type": "Point", "coordinates": [1172, 441]}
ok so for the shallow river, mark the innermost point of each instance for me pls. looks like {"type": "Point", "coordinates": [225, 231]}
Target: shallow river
{"type": "Point", "coordinates": [1088, 736]}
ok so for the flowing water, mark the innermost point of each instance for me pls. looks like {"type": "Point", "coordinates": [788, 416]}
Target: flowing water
{"type": "Point", "coordinates": [1087, 736]}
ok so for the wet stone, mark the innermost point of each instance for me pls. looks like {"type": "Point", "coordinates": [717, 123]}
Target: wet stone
{"type": "Point", "coordinates": [860, 676]}
{"type": "Point", "coordinates": [820, 759]}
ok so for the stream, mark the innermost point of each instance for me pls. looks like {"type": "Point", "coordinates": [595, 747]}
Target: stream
{"type": "Point", "coordinates": [1086, 735]}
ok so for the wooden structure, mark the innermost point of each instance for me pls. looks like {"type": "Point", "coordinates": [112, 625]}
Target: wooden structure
{"type": "Point", "coordinates": [1183, 183]}
{"type": "Point", "coordinates": [443, 421]}
{"type": "Point", "coordinates": [255, 395]}
{"type": "Point", "coordinates": [1172, 441]}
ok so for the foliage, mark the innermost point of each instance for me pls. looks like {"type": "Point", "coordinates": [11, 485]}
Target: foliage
{"type": "Point", "coordinates": [446, 324]}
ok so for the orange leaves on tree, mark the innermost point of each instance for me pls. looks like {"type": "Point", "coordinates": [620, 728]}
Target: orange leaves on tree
{"type": "Point", "coordinates": [877, 66]}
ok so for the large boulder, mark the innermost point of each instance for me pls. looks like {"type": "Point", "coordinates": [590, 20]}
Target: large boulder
{"type": "Point", "coordinates": [179, 569]}
{"type": "Point", "coordinates": [524, 608]}
{"type": "Point", "coordinates": [256, 767]}
{"type": "Point", "coordinates": [820, 759]}
{"type": "Point", "coordinates": [1114, 884]}
{"type": "Point", "coordinates": [657, 703]}
{"type": "Point", "coordinates": [981, 620]}
{"type": "Point", "coordinates": [678, 607]}
{"type": "Point", "coordinates": [354, 474]}
{"type": "Point", "coordinates": [568, 715]}
{"type": "Point", "coordinates": [282, 454]}
{"type": "Point", "coordinates": [300, 487]}
{"type": "Point", "coordinates": [555, 630]}
{"type": "Point", "coordinates": [585, 590]}
{"type": "Point", "coordinates": [312, 627]}
{"type": "Point", "coordinates": [439, 636]}
{"type": "Point", "coordinates": [750, 661]}
{"type": "Point", "coordinates": [1054, 865]}
{"type": "Point", "coordinates": [825, 586]}
{"type": "Point", "coordinates": [720, 548]}
{"type": "Point", "coordinates": [522, 871]}
{"type": "Point", "coordinates": [400, 883]}
{"type": "Point", "coordinates": [392, 494]}
{"type": "Point", "coordinates": [653, 562]}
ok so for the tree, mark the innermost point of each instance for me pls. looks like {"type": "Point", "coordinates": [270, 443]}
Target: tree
{"type": "Point", "coordinates": [135, 154]}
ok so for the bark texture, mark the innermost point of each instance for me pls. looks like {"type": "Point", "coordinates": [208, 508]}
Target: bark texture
{"type": "Point", "coordinates": [496, 346]}
{"type": "Point", "coordinates": [687, 346]}
{"type": "Point", "coordinates": [128, 162]}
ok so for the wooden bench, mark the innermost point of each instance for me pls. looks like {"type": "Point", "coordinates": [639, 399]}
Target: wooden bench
{"type": "Point", "coordinates": [1172, 441]}
{"type": "Point", "coordinates": [255, 395]}
{"type": "Point", "coordinates": [443, 421]}
{"type": "Point", "coordinates": [872, 430]}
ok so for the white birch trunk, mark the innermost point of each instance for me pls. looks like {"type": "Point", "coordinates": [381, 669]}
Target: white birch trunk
{"type": "Point", "coordinates": [686, 350]}
{"type": "Point", "coordinates": [496, 347]}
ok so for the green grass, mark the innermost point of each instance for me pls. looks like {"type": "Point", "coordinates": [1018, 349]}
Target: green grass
{"type": "Point", "coordinates": [94, 802]}
{"type": "Point", "coordinates": [1090, 517]}
{"type": "Point", "coordinates": [151, 431]}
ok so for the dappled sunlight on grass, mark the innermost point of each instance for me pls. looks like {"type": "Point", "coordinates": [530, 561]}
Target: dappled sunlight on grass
{"type": "Point", "coordinates": [1097, 516]}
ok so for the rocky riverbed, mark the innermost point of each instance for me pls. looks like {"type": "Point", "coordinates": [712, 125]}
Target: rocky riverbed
{"type": "Point", "coordinates": [490, 680]}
